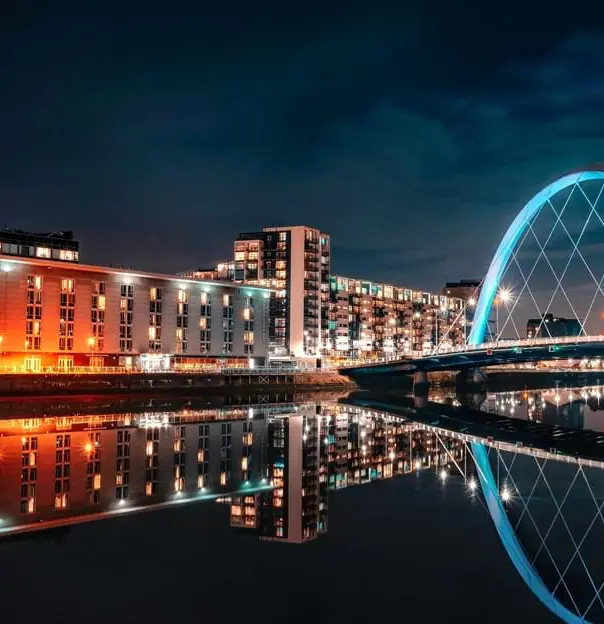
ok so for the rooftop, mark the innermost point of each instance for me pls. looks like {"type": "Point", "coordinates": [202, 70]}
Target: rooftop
{"type": "Point", "coordinates": [7, 260]}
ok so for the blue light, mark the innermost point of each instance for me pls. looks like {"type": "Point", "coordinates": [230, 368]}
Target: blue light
{"type": "Point", "coordinates": [510, 541]}
{"type": "Point", "coordinates": [509, 241]}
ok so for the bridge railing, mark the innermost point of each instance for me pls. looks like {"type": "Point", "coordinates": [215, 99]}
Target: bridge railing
{"type": "Point", "coordinates": [510, 344]}
{"type": "Point", "coordinates": [485, 346]}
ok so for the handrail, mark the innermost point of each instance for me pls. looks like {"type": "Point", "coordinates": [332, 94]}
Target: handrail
{"type": "Point", "coordinates": [496, 345]}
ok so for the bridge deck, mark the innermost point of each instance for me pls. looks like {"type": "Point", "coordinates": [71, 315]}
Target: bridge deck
{"type": "Point", "coordinates": [485, 355]}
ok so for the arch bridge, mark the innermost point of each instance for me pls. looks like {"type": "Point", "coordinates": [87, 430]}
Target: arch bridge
{"type": "Point", "coordinates": [548, 260]}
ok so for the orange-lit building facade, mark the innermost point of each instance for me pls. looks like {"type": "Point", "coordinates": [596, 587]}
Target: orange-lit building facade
{"type": "Point", "coordinates": [64, 315]}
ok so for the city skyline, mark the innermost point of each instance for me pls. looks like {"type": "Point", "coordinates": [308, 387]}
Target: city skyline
{"type": "Point", "coordinates": [173, 130]}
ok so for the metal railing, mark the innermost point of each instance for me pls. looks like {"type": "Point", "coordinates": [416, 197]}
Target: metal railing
{"type": "Point", "coordinates": [485, 346]}
{"type": "Point", "coordinates": [510, 344]}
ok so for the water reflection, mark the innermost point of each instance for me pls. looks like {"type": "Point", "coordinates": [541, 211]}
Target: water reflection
{"type": "Point", "coordinates": [273, 464]}
{"type": "Point", "coordinates": [527, 457]}
{"type": "Point", "coordinates": [575, 407]}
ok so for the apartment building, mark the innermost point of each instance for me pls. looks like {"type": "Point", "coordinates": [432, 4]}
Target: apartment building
{"type": "Point", "coordinates": [313, 314]}
{"type": "Point", "coordinates": [224, 270]}
{"type": "Point", "coordinates": [48, 245]}
{"type": "Point", "coordinates": [374, 320]}
{"type": "Point", "coordinates": [66, 314]}
{"type": "Point", "coordinates": [295, 261]}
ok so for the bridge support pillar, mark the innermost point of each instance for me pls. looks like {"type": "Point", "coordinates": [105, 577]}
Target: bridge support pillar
{"type": "Point", "coordinates": [420, 378]}
{"type": "Point", "coordinates": [471, 376]}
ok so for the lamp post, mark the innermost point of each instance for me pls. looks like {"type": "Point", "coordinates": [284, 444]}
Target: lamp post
{"type": "Point", "coordinates": [503, 296]}
{"type": "Point", "coordinates": [91, 344]}
{"type": "Point", "coordinates": [472, 304]}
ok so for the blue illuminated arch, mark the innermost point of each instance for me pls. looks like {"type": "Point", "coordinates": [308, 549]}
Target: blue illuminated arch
{"type": "Point", "coordinates": [511, 238]}
{"type": "Point", "coordinates": [510, 541]}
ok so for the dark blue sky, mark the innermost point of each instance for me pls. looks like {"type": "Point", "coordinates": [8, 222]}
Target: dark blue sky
{"type": "Point", "coordinates": [411, 134]}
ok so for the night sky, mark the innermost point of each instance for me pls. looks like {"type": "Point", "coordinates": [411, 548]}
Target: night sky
{"type": "Point", "coordinates": [410, 134]}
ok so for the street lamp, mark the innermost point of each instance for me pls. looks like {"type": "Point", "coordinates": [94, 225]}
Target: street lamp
{"type": "Point", "coordinates": [91, 343]}
{"type": "Point", "coordinates": [504, 295]}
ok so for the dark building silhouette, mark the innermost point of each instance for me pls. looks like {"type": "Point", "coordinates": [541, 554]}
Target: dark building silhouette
{"type": "Point", "coordinates": [550, 326]}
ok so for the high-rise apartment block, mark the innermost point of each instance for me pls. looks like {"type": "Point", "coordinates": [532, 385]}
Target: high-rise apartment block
{"type": "Point", "coordinates": [295, 262]}
{"type": "Point", "coordinates": [314, 314]}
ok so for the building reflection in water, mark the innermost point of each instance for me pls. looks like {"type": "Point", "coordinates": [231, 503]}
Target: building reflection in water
{"type": "Point", "coordinates": [274, 464]}
{"type": "Point", "coordinates": [574, 407]}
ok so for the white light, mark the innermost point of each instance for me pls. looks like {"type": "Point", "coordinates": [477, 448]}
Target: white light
{"type": "Point", "coordinates": [6, 268]}
{"type": "Point", "coordinates": [504, 295]}
{"type": "Point", "coordinates": [418, 464]}
{"type": "Point", "coordinates": [472, 302]}
{"type": "Point", "coordinates": [326, 440]}
{"type": "Point", "coordinates": [304, 438]}
{"type": "Point", "coordinates": [472, 484]}
{"type": "Point", "coordinates": [443, 474]}
{"type": "Point", "coordinates": [250, 412]}
{"type": "Point", "coordinates": [505, 495]}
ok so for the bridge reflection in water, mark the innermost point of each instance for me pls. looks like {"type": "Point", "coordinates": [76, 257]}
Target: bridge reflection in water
{"type": "Point", "coordinates": [541, 482]}
{"type": "Point", "coordinates": [276, 466]}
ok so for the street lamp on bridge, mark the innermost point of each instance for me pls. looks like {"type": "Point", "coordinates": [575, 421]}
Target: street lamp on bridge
{"type": "Point", "coordinates": [504, 295]}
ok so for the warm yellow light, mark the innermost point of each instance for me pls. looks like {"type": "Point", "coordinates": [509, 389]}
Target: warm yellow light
{"type": "Point", "coordinates": [88, 447]}
{"type": "Point", "coordinates": [91, 342]}
{"type": "Point", "coordinates": [472, 302]}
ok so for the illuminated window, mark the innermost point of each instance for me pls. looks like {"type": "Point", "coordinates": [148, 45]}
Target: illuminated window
{"type": "Point", "coordinates": [155, 294]}
{"type": "Point", "coordinates": [61, 501]}
{"type": "Point", "coordinates": [42, 252]}
{"type": "Point", "coordinates": [67, 285]}
{"type": "Point", "coordinates": [226, 300]}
